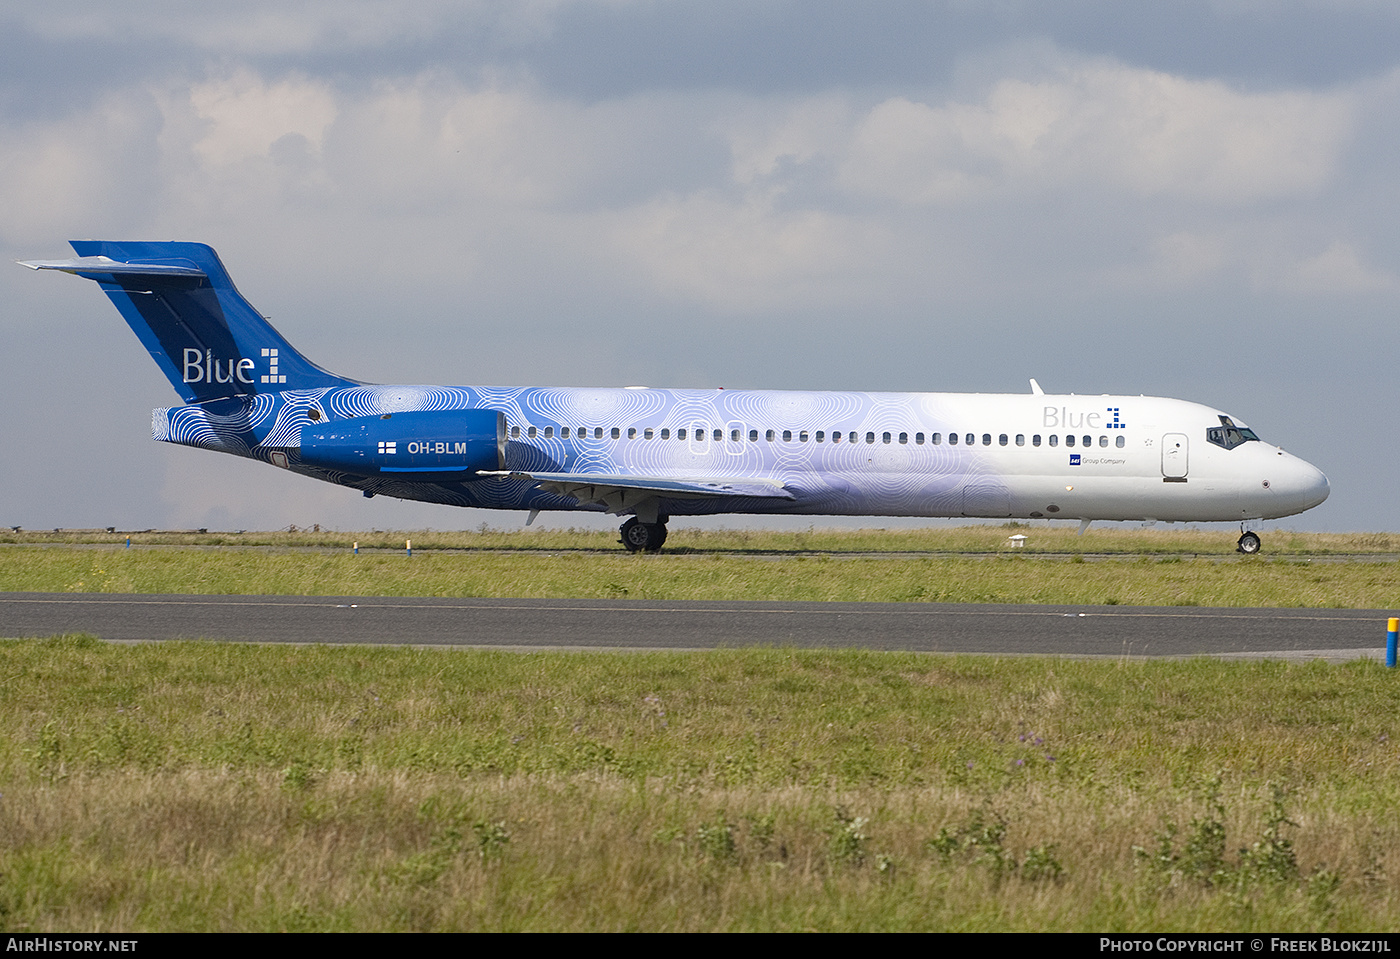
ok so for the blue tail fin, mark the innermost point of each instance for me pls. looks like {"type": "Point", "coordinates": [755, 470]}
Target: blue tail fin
{"type": "Point", "coordinates": [180, 302]}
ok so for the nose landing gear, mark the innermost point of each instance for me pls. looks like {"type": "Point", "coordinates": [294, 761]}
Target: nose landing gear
{"type": "Point", "coordinates": [1248, 543]}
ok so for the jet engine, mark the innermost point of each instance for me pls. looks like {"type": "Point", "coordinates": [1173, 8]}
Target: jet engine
{"type": "Point", "coordinates": [430, 445]}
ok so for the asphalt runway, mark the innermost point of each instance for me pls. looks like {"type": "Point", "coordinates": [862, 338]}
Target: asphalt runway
{"type": "Point", "coordinates": [1156, 631]}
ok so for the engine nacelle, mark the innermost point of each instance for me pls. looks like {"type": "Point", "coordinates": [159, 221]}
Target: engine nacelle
{"type": "Point", "coordinates": [431, 445]}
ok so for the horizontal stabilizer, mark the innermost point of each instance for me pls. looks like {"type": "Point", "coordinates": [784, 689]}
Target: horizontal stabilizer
{"type": "Point", "coordinates": [180, 302]}
{"type": "Point", "coordinates": [102, 265]}
{"type": "Point", "coordinates": [592, 487]}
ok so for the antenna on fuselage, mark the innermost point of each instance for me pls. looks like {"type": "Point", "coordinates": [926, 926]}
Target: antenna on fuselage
{"type": "Point", "coordinates": [1035, 388]}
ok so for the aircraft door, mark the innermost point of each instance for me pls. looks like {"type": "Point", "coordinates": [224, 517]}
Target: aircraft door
{"type": "Point", "coordinates": [1174, 454]}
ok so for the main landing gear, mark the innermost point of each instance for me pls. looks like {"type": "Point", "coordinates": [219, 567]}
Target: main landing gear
{"type": "Point", "coordinates": [1248, 543]}
{"type": "Point", "coordinates": [644, 537]}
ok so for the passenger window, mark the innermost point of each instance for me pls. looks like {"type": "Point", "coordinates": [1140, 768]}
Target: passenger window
{"type": "Point", "coordinates": [918, 439]}
{"type": "Point", "coordinates": [904, 437]}
{"type": "Point", "coordinates": [1088, 441]}
{"type": "Point", "coordinates": [854, 437]}
{"type": "Point", "coordinates": [1035, 440]}
{"type": "Point", "coordinates": [531, 433]}
{"type": "Point", "coordinates": [563, 432]}
{"type": "Point", "coordinates": [986, 439]}
{"type": "Point", "coordinates": [1120, 441]}
{"type": "Point", "coordinates": [1020, 439]}
{"type": "Point", "coordinates": [549, 432]}
{"type": "Point", "coordinates": [616, 433]}
{"type": "Point", "coordinates": [515, 432]}
{"type": "Point", "coordinates": [802, 437]}
{"type": "Point", "coordinates": [597, 432]}
{"type": "Point", "coordinates": [770, 435]}
{"type": "Point", "coordinates": [952, 439]}
{"type": "Point", "coordinates": [935, 438]}
{"type": "Point", "coordinates": [699, 436]}
{"type": "Point", "coordinates": [1069, 440]}
{"type": "Point", "coordinates": [886, 437]}
{"type": "Point", "coordinates": [680, 434]}
{"type": "Point", "coordinates": [1002, 439]}
{"type": "Point", "coordinates": [719, 435]}
{"type": "Point", "coordinates": [753, 436]}
{"type": "Point", "coordinates": [649, 434]}
{"type": "Point", "coordinates": [665, 434]}
{"type": "Point", "coordinates": [1055, 440]}
{"type": "Point", "coordinates": [835, 437]}
{"type": "Point", "coordinates": [969, 440]}
{"type": "Point", "coordinates": [869, 438]}
{"type": "Point", "coordinates": [631, 432]}
{"type": "Point", "coordinates": [820, 437]}
{"type": "Point", "coordinates": [787, 436]}
{"type": "Point", "coordinates": [1103, 440]}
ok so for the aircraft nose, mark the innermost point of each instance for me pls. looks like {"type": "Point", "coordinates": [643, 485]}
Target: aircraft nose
{"type": "Point", "coordinates": [1306, 485]}
{"type": "Point", "coordinates": [1317, 487]}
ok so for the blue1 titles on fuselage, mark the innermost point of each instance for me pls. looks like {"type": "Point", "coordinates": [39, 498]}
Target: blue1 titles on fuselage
{"type": "Point", "coordinates": [650, 454]}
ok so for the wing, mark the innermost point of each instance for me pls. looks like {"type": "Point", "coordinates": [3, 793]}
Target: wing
{"type": "Point", "coordinates": [618, 493]}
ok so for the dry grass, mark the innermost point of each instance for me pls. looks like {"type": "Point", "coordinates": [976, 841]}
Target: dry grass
{"type": "Point", "coordinates": [376, 851]}
{"type": "Point", "coordinates": [207, 787]}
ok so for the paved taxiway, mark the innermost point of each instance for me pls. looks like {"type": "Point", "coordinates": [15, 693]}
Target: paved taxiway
{"type": "Point", "coordinates": [641, 624]}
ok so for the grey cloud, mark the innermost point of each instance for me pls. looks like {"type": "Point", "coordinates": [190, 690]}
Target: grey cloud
{"type": "Point", "coordinates": [738, 194]}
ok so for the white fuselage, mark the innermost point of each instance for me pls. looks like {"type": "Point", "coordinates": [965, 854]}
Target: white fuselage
{"type": "Point", "coordinates": [832, 453]}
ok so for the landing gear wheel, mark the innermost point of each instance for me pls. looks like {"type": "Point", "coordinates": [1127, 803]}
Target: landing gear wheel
{"type": "Point", "coordinates": [1249, 544]}
{"type": "Point", "coordinates": [643, 537]}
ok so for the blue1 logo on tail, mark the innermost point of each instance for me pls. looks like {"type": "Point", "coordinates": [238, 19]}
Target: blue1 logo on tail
{"type": "Point", "coordinates": [650, 454]}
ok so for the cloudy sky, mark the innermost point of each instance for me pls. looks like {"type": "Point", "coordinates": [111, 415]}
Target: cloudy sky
{"type": "Point", "coordinates": [1196, 199]}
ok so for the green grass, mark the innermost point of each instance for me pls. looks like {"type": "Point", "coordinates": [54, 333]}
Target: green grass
{"type": "Point", "coordinates": [1004, 578]}
{"type": "Point", "coordinates": [201, 786]}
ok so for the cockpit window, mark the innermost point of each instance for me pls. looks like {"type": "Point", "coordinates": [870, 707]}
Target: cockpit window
{"type": "Point", "coordinates": [1227, 435]}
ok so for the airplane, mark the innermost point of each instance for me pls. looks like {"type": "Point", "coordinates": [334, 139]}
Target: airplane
{"type": "Point", "coordinates": [651, 454]}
